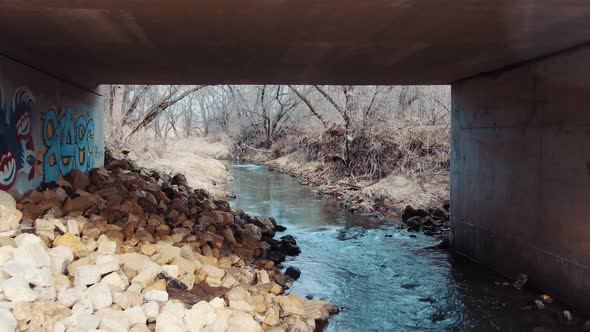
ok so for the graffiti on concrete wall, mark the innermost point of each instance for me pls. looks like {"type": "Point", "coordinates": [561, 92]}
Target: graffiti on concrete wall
{"type": "Point", "coordinates": [69, 140]}
{"type": "Point", "coordinates": [17, 147]}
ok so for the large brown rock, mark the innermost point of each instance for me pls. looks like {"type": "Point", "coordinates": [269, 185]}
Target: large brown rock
{"type": "Point", "coordinates": [81, 203]}
{"type": "Point", "coordinates": [78, 180]}
{"type": "Point", "coordinates": [216, 218]}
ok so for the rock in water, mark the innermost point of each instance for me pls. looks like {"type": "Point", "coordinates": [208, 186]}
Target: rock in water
{"type": "Point", "coordinates": [293, 272]}
{"type": "Point", "coordinates": [521, 279]}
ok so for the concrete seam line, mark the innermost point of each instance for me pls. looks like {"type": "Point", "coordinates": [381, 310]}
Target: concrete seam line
{"type": "Point", "coordinates": [532, 60]}
{"type": "Point", "coordinates": [54, 76]}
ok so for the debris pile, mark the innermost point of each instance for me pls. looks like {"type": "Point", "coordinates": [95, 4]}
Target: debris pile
{"type": "Point", "coordinates": [122, 248]}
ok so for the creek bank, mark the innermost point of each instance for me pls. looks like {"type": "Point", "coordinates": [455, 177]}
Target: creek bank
{"type": "Point", "coordinates": [124, 248]}
{"type": "Point", "coordinates": [430, 220]}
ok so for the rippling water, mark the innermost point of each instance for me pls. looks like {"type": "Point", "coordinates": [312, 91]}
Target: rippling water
{"type": "Point", "coordinates": [382, 278]}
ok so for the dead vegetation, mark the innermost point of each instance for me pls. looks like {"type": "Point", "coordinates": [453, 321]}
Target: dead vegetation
{"type": "Point", "coordinates": [362, 136]}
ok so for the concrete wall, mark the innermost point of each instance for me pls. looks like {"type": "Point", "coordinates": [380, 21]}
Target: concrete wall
{"type": "Point", "coordinates": [520, 178]}
{"type": "Point", "coordinates": [47, 128]}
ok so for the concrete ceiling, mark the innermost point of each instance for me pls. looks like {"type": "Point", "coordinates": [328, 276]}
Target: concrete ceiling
{"type": "Point", "coordinates": [285, 41]}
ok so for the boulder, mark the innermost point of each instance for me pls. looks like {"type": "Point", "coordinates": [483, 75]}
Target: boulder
{"type": "Point", "coordinates": [45, 227]}
{"type": "Point", "coordinates": [61, 257]}
{"type": "Point", "coordinates": [293, 272]}
{"type": "Point", "coordinates": [100, 296]}
{"type": "Point", "coordinates": [216, 218]}
{"type": "Point", "coordinates": [10, 217]}
{"type": "Point", "coordinates": [156, 295]}
{"type": "Point", "coordinates": [72, 241]}
{"type": "Point", "coordinates": [213, 271]}
{"type": "Point", "coordinates": [78, 180]}
{"type": "Point", "coordinates": [87, 275]}
{"type": "Point", "coordinates": [151, 309]}
{"type": "Point", "coordinates": [410, 212]}
{"type": "Point", "coordinates": [135, 315]}
{"type": "Point", "coordinates": [241, 321]}
{"type": "Point", "coordinates": [7, 321]}
{"type": "Point", "coordinates": [200, 315]}
{"type": "Point", "coordinates": [291, 305]}
{"type": "Point", "coordinates": [169, 322]}
{"type": "Point", "coordinates": [31, 251]}
{"type": "Point", "coordinates": [16, 289]}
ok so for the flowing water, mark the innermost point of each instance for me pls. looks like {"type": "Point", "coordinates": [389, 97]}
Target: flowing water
{"type": "Point", "coordinates": [382, 278]}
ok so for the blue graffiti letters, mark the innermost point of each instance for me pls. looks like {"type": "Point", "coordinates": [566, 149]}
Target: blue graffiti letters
{"type": "Point", "coordinates": [69, 139]}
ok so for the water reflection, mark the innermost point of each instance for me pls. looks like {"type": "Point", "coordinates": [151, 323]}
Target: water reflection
{"type": "Point", "coordinates": [382, 278]}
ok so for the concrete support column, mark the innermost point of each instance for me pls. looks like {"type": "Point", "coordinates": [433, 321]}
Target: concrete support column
{"type": "Point", "coordinates": [47, 128]}
{"type": "Point", "coordinates": [520, 178]}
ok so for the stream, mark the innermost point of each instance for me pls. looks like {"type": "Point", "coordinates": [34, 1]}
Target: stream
{"type": "Point", "coordinates": [382, 278]}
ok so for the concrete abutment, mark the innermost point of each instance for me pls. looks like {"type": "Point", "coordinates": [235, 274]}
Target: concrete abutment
{"type": "Point", "coordinates": [47, 128]}
{"type": "Point", "coordinates": [520, 174]}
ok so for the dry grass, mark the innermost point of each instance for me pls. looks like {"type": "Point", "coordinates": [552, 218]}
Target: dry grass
{"type": "Point", "coordinates": [403, 165]}
{"type": "Point", "coordinates": [196, 158]}
{"type": "Point", "coordinates": [397, 191]}
{"type": "Point", "coordinates": [296, 163]}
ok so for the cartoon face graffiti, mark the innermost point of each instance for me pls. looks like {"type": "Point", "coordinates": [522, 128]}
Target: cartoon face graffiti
{"type": "Point", "coordinates": [16, 139]}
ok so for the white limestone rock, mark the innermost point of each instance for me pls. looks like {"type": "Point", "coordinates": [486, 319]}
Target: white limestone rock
{"type": "Point", "coordinates": [186, 266]}
{"type": "Point", "coordinates": [213, 271]}
{"type": "Point", "coordinates": [7, 321]}
{"type": "Point", "coordinates": [6, 254]}
{"type": "Point", "coordinates": [240, 321]}
{"type": "Point", "coordinates": [39, 277]}
{"type": "Point", "coordinates": [87, 275]}
{"type": "Point", "coordinates": [140, 328]}
{"type": "Point", "coordinates": [82, 319]}
{"type": "Point", "coordinates": [135, 315]}
{"type": "Point", "coordinates": [127, 299]}
{"type": "Point", "coordinates": [136, 261]}
{"type": "Point", "coordinates": [147, 275]}
{"type": "Point", "coordinates": [45, 227]}
{"type": "Point", "coordinates": [151, 310]}
{"type": "Point", "coordinates": [61, 257]}
{"type": "Point", "coordinates": [68, 297]}
{"type": "Point", "coordinates": [175, 307]}
{"type": "Point", "coordinates": [7, 200]}
{"type": "Point", "coordinates": [200, 315]}
{"type": "Point", "coordinates": [165, 252]}
{"type": "Point", "coordinates": [45, 293]}
{"type": "Point", "coordinates": [241, 305]}
{"type": "Point", "coordinates": [10, 217]}
{"type": "Point", "coordinates": [220, 324]}
{"type": "Point", "coordinates": [105, 268]}
{"type": "Point", "coordinates": [217, 303]}
{"type": "Point", "coordinates": [171, 270]}
{"type": "Point", "coordinates": [168, 322]}
{"type": "Point", "coordinates": [107, 247]}
{"type": "Point", "coordinates": [108, 259]}
{"type": "Point", "coordinates": [116, 281]}
{"type": "Point", "coordinates": [262, 277]}
{"type": "Point", "coordinates": [73, 228]}
{"type": "Point", "coordinates": [113, 320]}
{"type": "Point", "coordinates": [31, 251]}
{"type": "Point", "coordinates": [16, 289]}
{"type": "Point", "coordinates": [156, 295]}
{"type": "Point", "coordinates": [100, 296]}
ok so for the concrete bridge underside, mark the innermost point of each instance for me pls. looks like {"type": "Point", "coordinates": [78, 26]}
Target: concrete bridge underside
{"type": "Point", "coordinates": [519, 72]}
